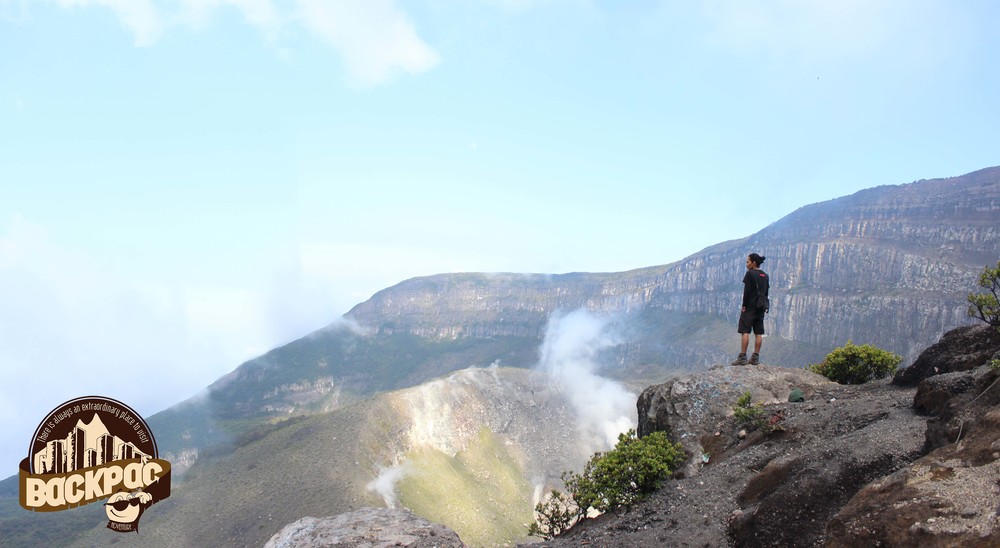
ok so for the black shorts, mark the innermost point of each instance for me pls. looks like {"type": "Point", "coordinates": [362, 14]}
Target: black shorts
{"type": "Point", "coordinates": [751, 319]}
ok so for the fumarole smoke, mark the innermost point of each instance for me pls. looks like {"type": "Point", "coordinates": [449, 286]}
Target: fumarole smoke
{"type": "Point", "coordinates": [385, 483]}
{"type": "Point", "coordinates": [604, 408]}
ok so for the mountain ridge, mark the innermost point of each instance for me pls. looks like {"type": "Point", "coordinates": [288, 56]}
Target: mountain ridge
{"type": "Point", "coordinates": [889, 266]}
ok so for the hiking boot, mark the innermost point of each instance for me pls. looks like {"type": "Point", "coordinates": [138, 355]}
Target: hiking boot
{"type": "Point", "coordinates": [755, 359]}
{"type": "Point", "coordinates": [740, 360]}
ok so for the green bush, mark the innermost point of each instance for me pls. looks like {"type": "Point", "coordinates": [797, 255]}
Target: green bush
{"type": "Point", "coordinates": [852, 364]}
{"type": "Point", "coordinates": [625, 474]}
{"type": "Point", "coordinates": [618, 478]}
{"type": "Point", "coordinates": [752, 416]}
{"type": "Point", "coordinates": [986, 306]}
{"type": "Point", "coordinates": [748, 415]}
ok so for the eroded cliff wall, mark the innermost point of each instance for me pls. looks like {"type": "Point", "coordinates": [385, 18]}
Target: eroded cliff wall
{"type": "Point", "coordinates": [890, 266]}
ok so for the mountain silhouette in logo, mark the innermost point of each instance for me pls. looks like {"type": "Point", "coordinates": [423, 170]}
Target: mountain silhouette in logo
{"type": "Point", "coordinates": [88, 444]}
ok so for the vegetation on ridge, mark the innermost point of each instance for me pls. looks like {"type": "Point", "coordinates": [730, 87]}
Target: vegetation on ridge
{"type": "Point", "coordinates": [986, 306]}
{"type": "Point", "coordinates": [753, 417]}
{"type": "Point", "coordinates": [851, 364]}
{"type": "Point", "coordinates": [617, 478]}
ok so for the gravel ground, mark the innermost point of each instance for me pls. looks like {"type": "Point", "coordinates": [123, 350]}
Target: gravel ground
{"type": "Point", "coordinates": [779, 489]}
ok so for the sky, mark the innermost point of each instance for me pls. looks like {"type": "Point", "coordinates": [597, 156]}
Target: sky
{"type": "Point", "coordinates": [186, 184]}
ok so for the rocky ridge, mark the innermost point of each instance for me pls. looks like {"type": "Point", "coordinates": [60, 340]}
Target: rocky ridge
{"type": "Point", "coordinates": [880, 464]}
{"type": "Point", "coordinates": [890, 266]}
{"type": "Point", "coordinates": [366, 528]}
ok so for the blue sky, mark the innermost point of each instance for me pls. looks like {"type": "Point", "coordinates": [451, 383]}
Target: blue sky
{"type": "Point", "coordinates": [186, 184]}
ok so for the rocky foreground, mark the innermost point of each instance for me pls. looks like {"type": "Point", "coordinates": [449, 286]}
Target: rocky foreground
{"type": "Point", "coordinates": [912, 462]}
{"type": "Point", "coordinates": [366, 528]}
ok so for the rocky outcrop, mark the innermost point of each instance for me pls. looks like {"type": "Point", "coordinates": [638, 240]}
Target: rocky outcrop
{"type": "Point", "coordinates": [870, 434]}
{"type": "Point", "coordinates": [960, 349]}
{"type": "Point", "coordinates": [370, 527]}
{"type": "Point", "coordinates": [692, 407]}
{"type": "Point", "coordinates": [948, 498]}
{"type": "Point", "coordinates": [973, 395]}
{"type": "Point", "coordinates": [951, 496]}
{"type": "Point", "coordinates": [777, 489]}
{"type": "Point", "coordinates": [849, 467]}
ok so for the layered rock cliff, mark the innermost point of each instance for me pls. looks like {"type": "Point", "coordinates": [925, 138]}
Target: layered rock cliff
{"type": "Point", "coordinates": [889, 266]}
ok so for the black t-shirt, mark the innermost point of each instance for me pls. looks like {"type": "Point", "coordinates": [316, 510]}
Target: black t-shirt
{"type": "Point", "coordinates": [750, 281]}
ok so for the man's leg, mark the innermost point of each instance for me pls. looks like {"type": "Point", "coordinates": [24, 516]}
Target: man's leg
{"type": "Point", "coordinates": [744, 328]}
{"type": "Point", "coordinates": [745, 342]}
{"type": "Point", "coordinates": [758, 340]}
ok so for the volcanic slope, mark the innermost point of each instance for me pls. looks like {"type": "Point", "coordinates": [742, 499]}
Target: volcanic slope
{"type": "Point", "coordinates": [471, 450]}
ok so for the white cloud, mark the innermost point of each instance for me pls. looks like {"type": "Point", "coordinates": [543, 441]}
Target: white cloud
{"type": "Point", "coordinates": [375, 39]}
{"type": "Point", "coordinates": [258, 13]}
{"type": "Point", "coordinates": [72, 326]}
{"type": "Point", "coordinates": [139, 16]}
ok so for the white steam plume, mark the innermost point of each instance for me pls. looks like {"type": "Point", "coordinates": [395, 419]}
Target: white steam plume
{"type": "Point", "coordinates": [385, 483]}
{"type": "Point", "coordinates": [604, 408]}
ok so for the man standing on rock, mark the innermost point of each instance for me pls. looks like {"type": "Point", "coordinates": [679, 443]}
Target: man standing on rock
{"type": "Point", "coordinates": [755, 304]}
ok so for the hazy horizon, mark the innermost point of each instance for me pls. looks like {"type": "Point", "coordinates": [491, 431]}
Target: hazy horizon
{"type": "Point", "coordinates": [187, 185]}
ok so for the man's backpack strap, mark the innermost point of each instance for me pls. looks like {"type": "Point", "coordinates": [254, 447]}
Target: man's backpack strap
{"type": "Point", "coordinates": [762, 300]}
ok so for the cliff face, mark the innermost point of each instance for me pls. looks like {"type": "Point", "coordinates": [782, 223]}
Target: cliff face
{"type": "Point", "coordinates": [497, 305]}
{"type": "Point", "coordinates": [889, 266]}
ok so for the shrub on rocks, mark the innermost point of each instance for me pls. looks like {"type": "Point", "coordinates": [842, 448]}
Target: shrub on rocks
{"type": "Point", "coordinates": [851, 364]}
{"type": "Point", "coordinates": [986, 306]}
{"type": "Point", "coordinates": [617, 478]}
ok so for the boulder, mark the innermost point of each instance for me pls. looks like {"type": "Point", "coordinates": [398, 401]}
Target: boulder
{"type": "Point", "coordinates": [960, 349]}
{"type": "Point", "coordinates": [934, 393]}
{"type": "Point", "coordinates": [946, 498]}
{"type": "Point", "coordinates": [690, 406]}
{"type": "Point", "coordinates": [769, 489]}
{"type": "Point", "coordinates": [869, 431]}
{"type": "Point", "coordinates": [368, 527]}
{"type": "Point", "coordinates": [950, 496]}
{"type": "Point", "coordinates": [849, 467]}
{"type": "Point", "coordinates": [972, 397]}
